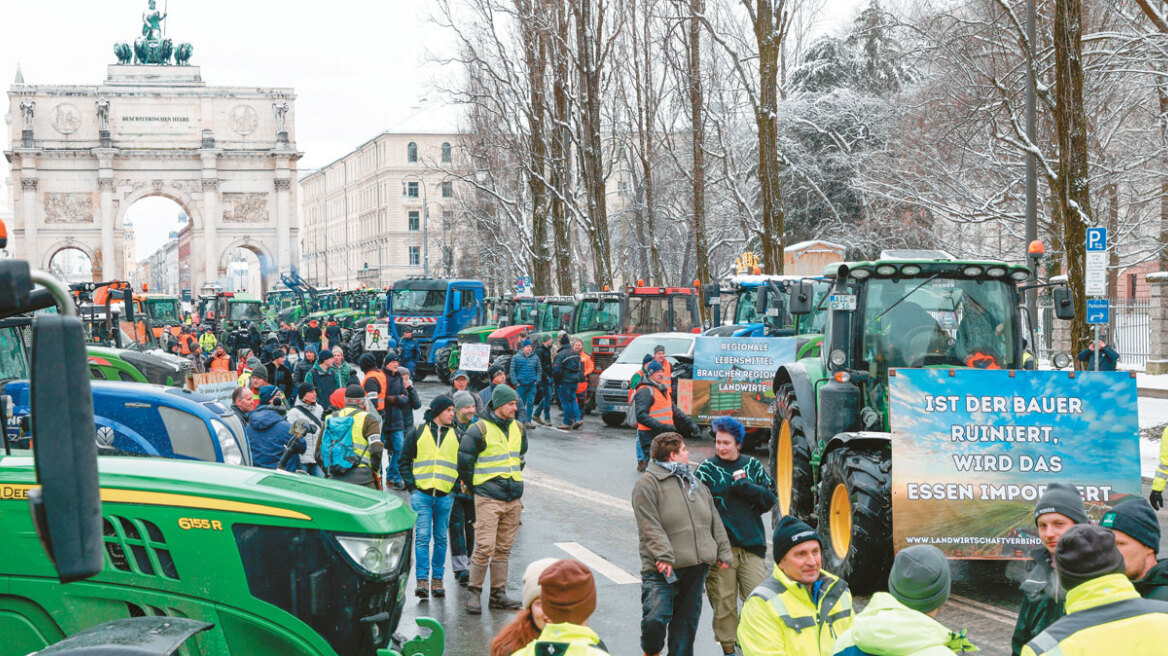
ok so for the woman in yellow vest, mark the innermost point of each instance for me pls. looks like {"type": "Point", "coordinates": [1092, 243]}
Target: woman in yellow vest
{"type": "Point", "coordinates": [429, 468]}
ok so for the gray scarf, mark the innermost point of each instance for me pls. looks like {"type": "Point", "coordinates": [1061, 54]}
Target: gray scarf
{"type": "Point", "coordinates": [682, 471]}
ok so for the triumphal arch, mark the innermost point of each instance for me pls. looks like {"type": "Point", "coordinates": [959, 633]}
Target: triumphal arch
{"type": "Point", "coordinates": [81, 155]}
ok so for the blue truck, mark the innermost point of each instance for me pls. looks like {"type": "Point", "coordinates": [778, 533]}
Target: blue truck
{"type": "Point", "coordinates": [434, 310]}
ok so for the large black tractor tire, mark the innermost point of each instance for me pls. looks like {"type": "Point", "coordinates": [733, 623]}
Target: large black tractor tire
{"type": "Point", "coordinates": [613, 419]}
{"type": "Point", "coordinates": [790, 459]}
{"type": "Point", "coordinates": [442, 364]}
{"type": "Point", "coordinates": [855, 515]}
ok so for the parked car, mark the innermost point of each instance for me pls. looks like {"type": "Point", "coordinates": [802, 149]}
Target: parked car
{"type": "Point", "coordinates": [612, 396]}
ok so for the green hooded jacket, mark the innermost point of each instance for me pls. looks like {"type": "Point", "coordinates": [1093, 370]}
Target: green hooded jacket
{"type": "Point", "coordinates": [887, 627]}
{"type": "Point", "coordinates": [1154, 585]}
{"type": "Point", "coordinates": [1043, 600]}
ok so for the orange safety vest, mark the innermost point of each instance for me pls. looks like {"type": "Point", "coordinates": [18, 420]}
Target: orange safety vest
{"type": "Point", "coordinates": [662, 408]}
{"type": "Point", "coordinates": [221, 363]}
{"type": "Point", "coordinates": [184, 343]}
{"type": "Point", "coordinates": [587, 368]}
{"type": "Point", "coordinates": [380, 378]}
{"type": "Point", "coordinates": [668, 369]}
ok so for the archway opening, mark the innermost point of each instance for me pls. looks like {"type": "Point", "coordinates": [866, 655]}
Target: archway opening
{"type": "Point", "coordinates": [71, 265]}
{"type": "Point", "coordinates": [158, 246]}
{"type": "Point", "coordinates": [245, 272]}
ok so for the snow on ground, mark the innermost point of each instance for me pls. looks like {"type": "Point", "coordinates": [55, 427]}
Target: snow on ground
{"type": "Point", "coordinates": [1153, 414]}
{"type": "Point", "coordinates": [1144, 381]}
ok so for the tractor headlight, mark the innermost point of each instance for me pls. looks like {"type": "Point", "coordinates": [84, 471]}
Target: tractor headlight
{"type": "Point", "coordinates": [376, 555]}
{"type": "Point", "coordinates": [885, 270]}
{"type": "Point", "coordinates": [910, 270]}
{"type": "Point", "coordinates": [232, 454]}
{"type": "Point", "coordinates": [837, 357]}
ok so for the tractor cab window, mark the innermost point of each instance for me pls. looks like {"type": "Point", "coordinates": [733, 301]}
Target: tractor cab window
{"type": "Point", "coordinates": [163, 312]}
{"type": "Point", "coordinates": [244, 312]}
{"type": "Point", "coordinates": [918, 322]}
{"type": "Point", "coordinates": [747, 311]}
{"type": "Point", "coordinates": [522, 313]}
{"type": "Point", "coordinates": [815, 322]}
{"type": "Point", "coordinates": [554, 317]}
{"type": "Point", "coordinates": [601, 316]}
{"type": "Point", "coordinates": [13, 363]}
{"type": "Point", "coordinates": [650, 314]}
{"type": "Point", "coordinates": [419, 301]}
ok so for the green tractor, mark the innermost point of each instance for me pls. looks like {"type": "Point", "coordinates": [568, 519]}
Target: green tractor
{"type": "Point", "coordinates": [134, 555]}
{"type": "Point", "coordinates": [494, 313]}
{"type": "Point", "coordinates": [830, 442]}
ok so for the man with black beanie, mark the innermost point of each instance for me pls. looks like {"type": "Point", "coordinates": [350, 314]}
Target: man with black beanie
{"type": "Point", "coordinates": [1137, 535]}
{"type": "Point", "coordinates": [1059, 508]}
{"type": "Point", "coordinates": [1105, 614]}
{"type": "Point", "coordinates": [810, 595]}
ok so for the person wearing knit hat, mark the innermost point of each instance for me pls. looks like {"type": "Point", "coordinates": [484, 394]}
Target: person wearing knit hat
{"type": "Point", "coordinates": [1043, 600]}
{"type": "Point", "coordinates": [568, 596]}
{"type": "Point", "coordinates": [546, 390]}
{"type": "Point", "coordinates": [496, 375]}
{"type": "Point", "coordinates": [401, 400]}
{"type": "Point", "coordinates": [526, 372]}
{"type": "Point", "coordinates": [490, 457]}
{"type": "Point", "coordinates": [268, 430]}
{"type": "Point", "coordinates": [567, 372]}
{"type": "Point", "coordinates": [428, 467]}
{"type": "Point", "coordinates": [1104, 612]}
{"type": "Point", "coordinates": [1137, 536]}
{"type": "Point", "coordinates": [659, 358]}
{"type": "Point", "coordinates": [304, 364]}
{"type": "Point", "coordinates": [798, 578]}
{"type": "Point", "coordinates": [656, 411]}
{"type": "Point", "coordinates": [367, 447]}
{"type": "Point", "coordinates": [268, 393]}
{"type": "Point", "coordinates": [524, 628]}
{"type": "Point", "coordinates": [901, 622]}
{"type": "Point", "coordinates": [462, 511]}
{"type": "Point", "coordinates": [305, 410]}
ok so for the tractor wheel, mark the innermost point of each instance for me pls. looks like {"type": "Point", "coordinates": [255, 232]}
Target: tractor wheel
{"type": "Point", "coordinates": [442, 364]}
{"type": "Point", "coordinates": [613, 419]}
{"type": "Point", "coordinates": [855, 515]}
{"type": "Point", "coordinates": [790, 459]}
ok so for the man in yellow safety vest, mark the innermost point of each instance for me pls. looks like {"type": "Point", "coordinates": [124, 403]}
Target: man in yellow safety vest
{"type": "Point", "coordinates": [429, 468]}
{"type": "Point", "coordinates": [491, 457]}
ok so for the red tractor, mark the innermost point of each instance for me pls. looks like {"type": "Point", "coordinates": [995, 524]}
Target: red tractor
{"type": "Point", "coordinates": [646, 310]}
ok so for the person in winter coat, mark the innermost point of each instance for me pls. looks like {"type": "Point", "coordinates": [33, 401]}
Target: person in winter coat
{"type": "Point", "coordinates": [325, 376]}
{"type": "Point", "coordinates": [490, 456]}
{"type": "Point", "coordinates": [332, 332]}
{"type": "Point", "coordinates": [801, 608]}
{"type": "Point", "coordinates": [1105, 614]}
{"type": "Point", "coordinates": [371, 452]}
{"type": "Point", "coordinates": [198, 362]}
{"type": "Point", "coordinates": [496, 376]}
{"type": "Point", "coordinates": [901, 622]}
{"type": "Point", "coordinates": [242, 404]}
{"type": "Point", "coordinates": [308, 411]}
{"type": "Point", "coordinates": [251, 366]}
{"type": "Point", "coordinates": [428, 466]}
{"type": "Point", "coordinates": [462, 511]}
{"type": "Point", "coordinates": [207, 338]}
{"type": "Point", "coordinates": [312, 334]}
{"type": "Point", "coordinates": [304, 364]}
{"type": "Point", "coordinates": [219, 360]}
{"type": "Point", "coordinates": [681, 537]}
{"type": "Point", "coordinates": [268, 431]}
{"type": "Point", "coordinates": [1099, 350]}
{"type": "Point", "coordinates": [1137, 536]}
{"type": "Point", "coordinates": [292, 336]}
{"type": "Point", "coordinates": [1043, 601]}
{"type": "Point", "coordinates": [254, 339]}
{"type": "Point", "coordinates": [401, 399]}
{"type": "Point", "coordinates": [545, 391]}
{"type": "Point", "coordinates": [241, 341]}
{"type": "Point", "coordinates": [566, 371]}
{"type": "Point", "coordinates": [656, 411]}
{"type": "Point", "coordinates": [410, 352]}
{"type": "Point", "coordinates": [587, 368]}
{"type": "Point", "coordinates": [526, 372]}
{"type": "Point", "coordinates": [279, 374]}
{"type": "Point", "coordinates": [742, 492]}
{"type": "Point", "coordinates": [268, 352]}
{"type": "Point", "coordinates": [568, 598]}
{"type": "Point", "coordinates": [460, 382]}
{"type": "Point", "coordinates": [526, 625]}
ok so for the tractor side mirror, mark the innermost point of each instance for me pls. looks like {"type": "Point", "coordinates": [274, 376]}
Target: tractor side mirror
{"type": "Point", "coordinates": [15, 287]}
{"type": "Point", "coordinates": [712, 294]}
{"type": "Point", "coordinates": [1064, 307]}
{"type": "Point", "coordinates": [129, 296]}
{"type": "Point", "coordinates": [802, 297]}
{"type": "Point", "coordinates": [67, 507]}
{"type": "Point", "coordinates": [760, 300]}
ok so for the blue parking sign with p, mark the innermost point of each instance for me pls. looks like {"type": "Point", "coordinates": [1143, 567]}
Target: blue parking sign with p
{"type": "Point", "coordinates": [1096, 239]}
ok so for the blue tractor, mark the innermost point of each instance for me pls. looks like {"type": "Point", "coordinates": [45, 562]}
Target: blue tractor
{"type": "Point", "coordinates": [434, 310]}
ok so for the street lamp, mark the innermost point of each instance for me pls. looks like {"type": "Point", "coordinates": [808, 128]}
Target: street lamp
{"type": "Point", "coordinates": [425, 223]}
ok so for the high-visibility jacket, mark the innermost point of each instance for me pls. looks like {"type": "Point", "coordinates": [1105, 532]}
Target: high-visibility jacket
{"type": "Point", "coordinates": [379, 376]}
{"type": "Point", "coordinates": [184, 343]}
{"type": "Point", "coordinates": [1161, 479]}
{"type": "Point", "coordinates": [587, 366]}
{"type": "Point", "coordinates": [244, 378]}
{"type": "Point", "coordinates": [220, 363]}
{"type": "Point", "coordinates": [1104, 616]}
{"type": "Point", "coordinates": [566, 639]}
{"type": "Point", "coordinates": [208, 341]}
{"type": "Point", "coordinates": [668, 368]}
{"type": "Point", "coordinates": [662, 408]}
{"type": "Point", "coordinates": [501, 457]}
{"type": "Point", "coordinates": [360, 444]}
{"type": "Point", "coordinates": [436, 465]}
{"type": "Point", "coordinates": [780, 617]}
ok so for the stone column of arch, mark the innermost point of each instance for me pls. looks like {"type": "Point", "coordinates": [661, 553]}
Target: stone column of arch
{"type": "Point", "coordinates": [109, 265]}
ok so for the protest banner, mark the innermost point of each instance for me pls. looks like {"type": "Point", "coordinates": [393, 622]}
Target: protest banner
{"type": "Point", "coordinates": [217, 384]}
{"type": "Point", "coordinates": [973, 450]}
{"type": "Point", "coordinates": [474, 357]}
{"type": "Point", "coordinates": [377, 335]}
{"type": "Point", "coordinates": [732, 377]}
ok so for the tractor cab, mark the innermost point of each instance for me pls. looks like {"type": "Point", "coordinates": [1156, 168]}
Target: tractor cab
{"type": "Point", "coordinates": [647, 310]}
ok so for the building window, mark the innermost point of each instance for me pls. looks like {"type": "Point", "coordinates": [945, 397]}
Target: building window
{"type": "Point", "coordinates": [622, 188]}
{"type": "Point", "coordinates": [447, 189]}
{"type": "Point", "coordinates": [412, 152]}
{"type": "Point", "coordinates": [446, 155]}
{"type": "Point", "coordinates": [410, 189]}
{"type": "Point", "coordinates": [414, 220]}
{"type": "Point", "coordinates": [447, 219]}
{"type": "Point", "coordinates": [415, 255]}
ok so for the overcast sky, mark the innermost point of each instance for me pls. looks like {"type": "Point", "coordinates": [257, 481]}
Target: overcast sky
{"type": "Point", "coordinates": [357, 67]}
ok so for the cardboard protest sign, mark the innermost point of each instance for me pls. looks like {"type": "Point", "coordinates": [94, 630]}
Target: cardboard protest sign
{"type": "Point", "coordinates": [216, 384]}
{"type": "Point", "coordinates": [474, 357]}
{"type": "Point", "coordinates": [973, 450]}
{"type": "Point", "coordinates": [732, 376]}
{"type": "Point", "coordinates": [377, 336]}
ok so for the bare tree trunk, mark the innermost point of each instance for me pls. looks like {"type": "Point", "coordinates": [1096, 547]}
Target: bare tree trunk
{"type": "Point", "coordinates": [1163, 97]}
{"type": "Point", "coordinates": [561, 160]}
{"type": "Point", "coordinates": [769, 23]}
{"type": "Point", "coordinates": [646, 119]}
{"type": "Point", "coordinates": [588, 48]}
{"type": "Point", "coordinates": [698, 133]}
{"type": "Point", "coordinates": [532, 26]}
{"type": "Point", "coordinates": [1071, 126]}
{"type": "Point", "coordinates": [1111, 193]}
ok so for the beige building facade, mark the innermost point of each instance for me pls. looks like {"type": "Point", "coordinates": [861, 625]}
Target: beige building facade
{"type": "Point", "coordinates": [381, 213]}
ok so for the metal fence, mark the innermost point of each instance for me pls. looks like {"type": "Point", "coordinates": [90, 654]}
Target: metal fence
{"type": "Point", "coordinates": [1128, 333]}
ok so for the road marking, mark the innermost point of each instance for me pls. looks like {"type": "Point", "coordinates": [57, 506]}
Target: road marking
{"type": "Point", "coordinates": [598, 563]}
{"type": "Point", "coordinates": [985, 610]}
{"type": "Point", "coordinates": [593, 497]}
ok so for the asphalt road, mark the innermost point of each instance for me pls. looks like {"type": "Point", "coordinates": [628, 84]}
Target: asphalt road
{"type": "Point", "coordinates": [576, 504]}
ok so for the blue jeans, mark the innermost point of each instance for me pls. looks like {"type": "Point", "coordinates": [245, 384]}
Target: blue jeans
{"type": "Point", "coordinates": [462, 516]}
{"type": "Point", "coordinates": [544, 407]}
{"type": "Point", "coordinates": [567, 396]}
{"type": "Point", "coordinates": [672, 608]}
{"type": "Point", "coordinates": [313, 469]}
{"type": "Point", "coordinates": [433, 523]}
{"type": "Point", "coordinates": [395, 442]}
{"type": "Point", "coordinates": [642, 450]}
{"type": "Point", "coordinates": [526, 392]}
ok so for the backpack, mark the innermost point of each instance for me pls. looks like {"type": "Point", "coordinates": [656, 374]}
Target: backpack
{"type": "Point", "coordinates": [337, 454]}
{"type": "Point", "coordinates": [631, 413]}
